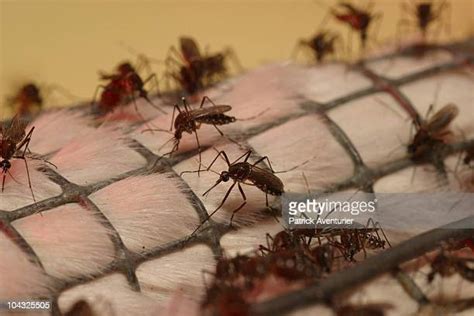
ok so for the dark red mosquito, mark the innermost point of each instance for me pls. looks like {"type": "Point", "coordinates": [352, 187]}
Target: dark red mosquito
{"type": "Point", "coordinates": [324, 256]}
{"type": "Point", "coordinates": [446, 265]}
{"type": "Point", "coordinates": [241, 270]}
{"type": "Point", "coordinates": [358, 19]}
{"type": "Point", "coordinates": [283, 240]}
{"type": "Point", "coordinates": [353, 241]}
{"type": "Point", "coordinates": [321, 44]}
{"type": "Point", "coordinates": [432, 132]}
{"type": "Point", "coordinates": [27, 97]}
{"type": "Point", "coordinates": [189, 120]}
{"type": "Point", "coordinates": [321, 256]}
{"type": "Point", "coordinates": [226, 300]}
{"type": "Point", "coordinates": [122, 70]}
{"type": "Point", "coordinates": [229, 269]}
{"type": "Point", "coordinates": [123, 85]}
{"type": "Point", "coordinates": [292, 265]}
{"type": "Point", "coordinates": [14, 145]}
{"type": "Point", "coordinates": [425, 12]}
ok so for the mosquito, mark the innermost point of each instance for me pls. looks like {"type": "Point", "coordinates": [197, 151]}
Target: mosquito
{"type": "Point", "coordinates": [189, 77]}
{"type": "Point", "coordinates": [425, 12]}
{"type": "Point", "coordinates": [31, 97]}
{"type": "Point", "coordinates": [121, 71]}
{"type": "Point", "coordinates": [126, 83]}
{"type": "Point", "coordinates": [432, 132]}
{"type": "Point", "coordinates": [358, 19]}
{"type": "Point", "coordinates": [243, 172]}
{"type": "Point", "coordinates": [195, 70]}
{"type": "Point", "coordinates": [352, 241]}
{"type": "Point", "coordinates": [321, 44]}
{"type": "Point", "coordinates": [28, 96]}
{"type": "Point", "coordinates": [14, 145]}
{"type": "Point", "coordinates": [189, 120]}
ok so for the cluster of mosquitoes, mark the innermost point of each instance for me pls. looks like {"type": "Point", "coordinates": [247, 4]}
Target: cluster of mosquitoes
{"type": "Point", "coordinates": [305, 255]}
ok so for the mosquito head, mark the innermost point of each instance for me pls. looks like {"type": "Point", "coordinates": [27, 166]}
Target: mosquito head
{"type": "Point", "coordinates": [225, 176]}
{"type": "Point", "coordinates": [32, 92]}
{"type": "Point", "coordinates": [5, 165]}
{"type": "Point", "coordinates": [125, 68]}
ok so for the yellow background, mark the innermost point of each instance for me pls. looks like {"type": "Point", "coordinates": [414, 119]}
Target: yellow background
{"type": "Point", "coordinates": [67, 42]}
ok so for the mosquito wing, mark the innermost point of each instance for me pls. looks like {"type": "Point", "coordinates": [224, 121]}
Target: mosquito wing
{"type": "Point", "coordinates": [15, 132]}
{"type": "Point", "coordinates": [441, 119]}
{"type": "Point", "coordinates": [265, 178]}
{"type": "Point", "coordinates": [213, 110]}
{"type": "Point", "coordinates": [189, 48]}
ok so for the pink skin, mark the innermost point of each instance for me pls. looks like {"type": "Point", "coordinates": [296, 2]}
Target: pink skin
{"type": "Point", "coordinates": [55, 129]}
{"type": "Point", "coordinates": [150, 215]}
{"type": "Point", "coordinates": [23, 279]}
{"type": "Point", "coordinates": [60, 234]}
{"type": "Point", "coordinates": [149, 210]}
{"type": "Point", "coordinates": [87, 159]}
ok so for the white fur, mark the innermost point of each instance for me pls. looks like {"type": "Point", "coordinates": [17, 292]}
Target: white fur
{"type": "Point", "coordinates": [128, 113]}
{"type": "Point", "coordinates": [19, 277]}
{"type": "Point", "coordinates": [69, 240]}
{"type": "Point", "coordinates": [147, 210]}
{"type": "Point", "coordinates": [327, 82]}
{"type": "Point", "coordinates": [267, 89]}
{"type": "Point", "coordinates": [55, 129]}
{"type": "Point", "coordinates": [97, 156]}
{"type": "Point", "coordinates": [308, 144]}
{"type": "Point", "coordinates": [159, 278]}
{"type": "Point", "coordinates": [376, 125]}
{"type": "Point", "coordinates": [397, 67]}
